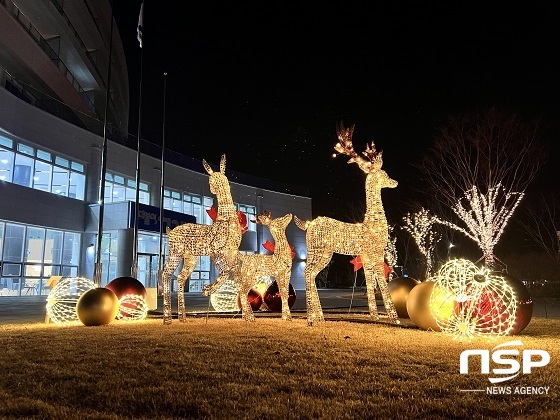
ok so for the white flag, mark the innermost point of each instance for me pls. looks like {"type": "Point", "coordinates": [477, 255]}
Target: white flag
{"type": "Point", "coordinates": [140, 21]}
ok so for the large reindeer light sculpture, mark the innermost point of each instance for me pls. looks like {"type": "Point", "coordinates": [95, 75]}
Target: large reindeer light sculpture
{"type": "Point", "coordinates": [187, 242]}
{"type": "Point", "coordinates": [368, 239]}
{"type": "Point", "coordinates": [277, 265]}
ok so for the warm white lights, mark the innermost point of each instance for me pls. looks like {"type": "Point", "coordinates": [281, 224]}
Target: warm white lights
{"type": "Point", "coordinates": [368, 239]}
{"type": "Point", "coordinates": [486, 216]}
{"type": "Point", "coordinates": [187, 242]}
{"type": "Point", "coordinates": [484, 303]}
{"type": "Point", "coordinates": [391, 255]}
{"type": "Point", "coordinates": [420, 226]}
{"type": "Point", "coordinates": [277, 265]}
{"type": "Point", "coordinates": [132, 308]}
{"type": "Point", "coordinates": [225, 298]}
{"type": "Point", "coordinates": [62, 299]}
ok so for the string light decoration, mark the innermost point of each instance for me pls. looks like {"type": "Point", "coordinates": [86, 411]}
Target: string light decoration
{"type": "Point", "coordinates": [132, 307]}
{"type": "Point", "coordinates": [263, 283]}
{"type": "Point", "coordinates": [486, 216]}
{"type": "Point", "coordinates": [277, 265]}
{"type": "Point", "coordinates": [391, 255]}
{"type": "Point", "coordinates": [485, 304]}
{"type": "Point", "coordinates": [188, 241]}
{"type": "Point", "coordinates": [368, 239]}
{"type": "Point", "coordinates": [225, 298]}
{"type": "Point", "coordinates": [420, 226]}
{"type": "Point", "coordinates": [62, 299]}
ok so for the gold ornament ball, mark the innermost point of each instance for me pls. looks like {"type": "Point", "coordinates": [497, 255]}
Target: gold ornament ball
{"type": "Point", "coordinates": [418, 306]}
{"type": "Point", "coordinates": [399, 288]}
{"type": "Point", "coordinates": [97, 306]}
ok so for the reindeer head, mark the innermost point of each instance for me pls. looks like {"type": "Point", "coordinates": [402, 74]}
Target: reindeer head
{"type": "Point", "coordinates": [280, 223]}
{"type": "Point", "coordinates": [376, 177]}
{"type": "Point", "coordinates": [217, 179]}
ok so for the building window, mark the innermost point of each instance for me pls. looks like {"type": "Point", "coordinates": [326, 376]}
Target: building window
{"type": "Point", "coordinates": [201, 275]}
{"type": "Point", "coordinates": [188, 203]}
{"type": "Point", "coordinates": [119, 188]}
{"type": "Point", "coordinates": [31, 254]}
{"type": "Point", "coordinates": [34, 168]}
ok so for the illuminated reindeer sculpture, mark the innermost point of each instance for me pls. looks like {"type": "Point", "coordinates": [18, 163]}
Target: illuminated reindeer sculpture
{"type": "Point", "coordinates": [368, 239]}
{"type": "Point", "coordinates": [188, 241]}
{"type": "Point", "coordinates": [277, 265]}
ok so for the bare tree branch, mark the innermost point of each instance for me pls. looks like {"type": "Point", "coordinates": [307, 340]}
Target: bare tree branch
{"type": "Point", "coordinates": [542, 225]}
{"type": "Point", "coordinates": [483, 149]}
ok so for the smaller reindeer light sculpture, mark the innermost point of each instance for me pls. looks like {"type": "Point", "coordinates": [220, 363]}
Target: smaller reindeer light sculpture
{"type": "Point", "coordinates": [277, 265]}
{"type": "Point", "coordinates": [368, 239]}
{"type": "Point", "coordinates": [220, 241]}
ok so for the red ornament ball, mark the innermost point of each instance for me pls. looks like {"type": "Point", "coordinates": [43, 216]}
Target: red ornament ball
{"type": "Point", "coordinates": [127, 286]}
{"type": "Point", "coordinates": [399, 288]}
{"type": "Point", "coordinates": [273, 300]}
{"type": "Point", "coordinates": [254, 298]}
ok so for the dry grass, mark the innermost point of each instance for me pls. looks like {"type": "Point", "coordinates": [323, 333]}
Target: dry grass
{"type": "Point", "coordinates": [227, 368]}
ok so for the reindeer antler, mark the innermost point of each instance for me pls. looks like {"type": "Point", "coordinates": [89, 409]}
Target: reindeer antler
{"type": "Point", "coordinates": [345, 147]}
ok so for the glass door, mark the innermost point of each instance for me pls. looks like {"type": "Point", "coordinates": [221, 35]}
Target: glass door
{"type": "Point", "coordinates": [147, 269]}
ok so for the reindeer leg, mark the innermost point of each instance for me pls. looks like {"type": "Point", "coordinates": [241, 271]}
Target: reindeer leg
{"type": "Point", "coordinates": [284, 289]}
{"type": "Point", "coordinates": [370, 288]}
{"type": "Point", "coordinates": [246, 309]}
{"type": "Point", "coordinates": [387, 301]}
{"type": "Point", "coordinates": [313, 267]}
{"type": "Point", "coordinates": [227, 265]}
{"type": "Point", "coordinates": [170, 267]}
{"type": "Point", "coordinates": [189, 263]}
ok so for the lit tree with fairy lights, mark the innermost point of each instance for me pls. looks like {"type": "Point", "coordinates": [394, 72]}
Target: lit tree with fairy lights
{"type": "Point", "coordinates": [477, 171]}
{"type": "Point", "coordinates": [485, 217]}
{"type": "Point", "coordinates": [420, 225]}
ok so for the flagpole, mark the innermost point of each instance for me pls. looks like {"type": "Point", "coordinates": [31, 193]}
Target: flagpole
{"type": "Point", "coordinates": [161, 255]}
{"type": "Point", "coordinates": [134, 269]}
{"type": "Point", "coordinates": [101, 196]}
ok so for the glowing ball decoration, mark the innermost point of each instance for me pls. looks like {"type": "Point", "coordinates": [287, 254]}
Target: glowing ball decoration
{"type": "Point", "coordinates": [261, 286]}
{"type": "Point", "coordinates": [254, 298]}
{"type": "Point", "coordinates": [127, 286]}
{"type": "Point", "coordinates": [62, 299]}
{"type": "Point", "coordinates": [225, 299]}
{"type": "Point", "coordinates": [132, 308]}
{"type": "Point", "coordinates": [420, 300]}
{"type": "Point", "coordinates": [399, 288]}
{"type": "Point", "coordinates": [97, 306]}
{"type": "Point", "coordinates": [485, 303]}
{"type": "Point", "coordinates": [273, 300]}
{"type": "Point", "coordinates": [524, 311]}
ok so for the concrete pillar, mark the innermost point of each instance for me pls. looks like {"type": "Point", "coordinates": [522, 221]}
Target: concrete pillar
{"type": "Point", "coordinates": [156, 187]}
{"type": "Point", "coordinates": [93, 175]}
{"type": "Point", "coordinates": [124, 252]}
{"type": "Point", "coordinates": [87, 257]}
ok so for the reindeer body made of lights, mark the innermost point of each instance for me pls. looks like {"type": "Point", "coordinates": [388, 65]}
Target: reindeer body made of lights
{"type": "Point", "coordinates": [368, 239]}
{"type": "Point", "coordinates": [277, 265]}
{"type": "Point", "coordinates": [188, 241]}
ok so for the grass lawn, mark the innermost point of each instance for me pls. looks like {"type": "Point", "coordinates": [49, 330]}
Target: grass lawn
{"type": "Point", "coordinates": [226, 368]}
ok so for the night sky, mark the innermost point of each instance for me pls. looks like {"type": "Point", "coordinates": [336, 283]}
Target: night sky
{"type": "Point", "coordinates": [266, 84]}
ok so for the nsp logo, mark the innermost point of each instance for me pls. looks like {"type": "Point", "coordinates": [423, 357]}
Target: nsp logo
{"type": "Point", "coordinates": [502, 355]}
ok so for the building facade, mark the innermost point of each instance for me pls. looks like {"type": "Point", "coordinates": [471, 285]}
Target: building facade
{"type": "Point", "coordinates": [53, 72]}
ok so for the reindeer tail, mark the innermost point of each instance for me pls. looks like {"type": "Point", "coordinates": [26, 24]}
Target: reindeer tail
{"type": "Point", "coordinates": [300, 223]}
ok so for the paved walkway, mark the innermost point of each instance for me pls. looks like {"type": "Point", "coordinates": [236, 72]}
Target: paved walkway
{"type": "Point", "coordinates": [32, 309]}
